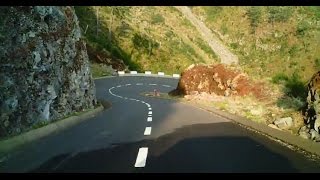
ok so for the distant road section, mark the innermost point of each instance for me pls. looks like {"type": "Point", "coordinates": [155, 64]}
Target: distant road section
{"type": "Point", "coordinates": [223, 52]}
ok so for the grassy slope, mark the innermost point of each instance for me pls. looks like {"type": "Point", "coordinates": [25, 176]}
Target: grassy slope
{"type": "Point", "coordinates": [176, 42]}
{"type": "Point", "coordinates": [277, 44]}
{"type": "Point", "coordinates": [289, 43]}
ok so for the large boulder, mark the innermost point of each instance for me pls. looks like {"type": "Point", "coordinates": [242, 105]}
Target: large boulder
{"type": "Point", "coordinates": [216, 79]}
{"type": "Point", "coordinates": [312, 111]}
{"type": "Point", "coordinates": [44, 69]}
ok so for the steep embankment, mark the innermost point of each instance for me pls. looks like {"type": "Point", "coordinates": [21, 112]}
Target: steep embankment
{"type": "Point", "coordinates": [269, 41]}
{"type": "Point", "coordinates": [145, 38]}
{"type": "Point", "coordinates": [44, 67]}
{"type": "Point", "coordinates": [223, 52]}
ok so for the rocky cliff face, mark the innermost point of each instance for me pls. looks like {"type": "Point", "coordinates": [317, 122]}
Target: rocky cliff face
{"type": "Point", "coordinates": [44, 70]}
{"type": "Point", "coordinates": [312, 112]}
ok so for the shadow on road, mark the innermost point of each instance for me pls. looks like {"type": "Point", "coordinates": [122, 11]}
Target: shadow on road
{"type": "Point", "coordinates": [188, 149]}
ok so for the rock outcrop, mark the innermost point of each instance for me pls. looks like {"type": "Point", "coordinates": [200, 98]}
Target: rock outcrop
{"type": "Point", "coordinates": [44, 69]}
{"type": "Point", "coordinates": [216, 79]}
{"type": "Point", "coordinates": [312, 111]}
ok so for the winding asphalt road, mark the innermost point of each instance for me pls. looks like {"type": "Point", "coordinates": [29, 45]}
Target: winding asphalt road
{"type": "Point", "coordinates": [144, 134]}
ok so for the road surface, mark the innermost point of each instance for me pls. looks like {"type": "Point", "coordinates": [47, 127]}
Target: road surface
{"type": "Point", "coordinates": [144, 134]}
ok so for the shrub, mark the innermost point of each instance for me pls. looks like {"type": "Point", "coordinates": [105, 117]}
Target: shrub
{"type": "Point", "coordinates": [290, 103]}
{"type": "Point", "coordinates": [212, 12]}
{"type": "Point", "coordinates": [279, 14]}
{"type": "Point", "coordinates": [157, 19]}
{"type": "Point", "coordinates": [254, 14]}
{"type": "Point", "coordinates": [295, 87]}
{"type": "Point", "coordinates": [302, 28]}
{"type": "Point", "coordinates": [279, 77]}
{"type": "Point", "coordinates": [317, 63]}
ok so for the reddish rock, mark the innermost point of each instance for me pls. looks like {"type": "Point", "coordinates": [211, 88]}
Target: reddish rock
{"type": "Point", "coordinates": [216, 79]}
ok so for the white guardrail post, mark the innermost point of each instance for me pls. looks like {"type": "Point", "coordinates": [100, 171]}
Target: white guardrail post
{"type": "Point", "coordinates": [176, 75]}
{"type": "Point", "coordinates": [120, 72]}
{"type": "Point", "coordinates": [147, 72]}
{"type": "Point", "coordinates": [133, 72]}
{"type": "Point", "coordinates": [161, 73]}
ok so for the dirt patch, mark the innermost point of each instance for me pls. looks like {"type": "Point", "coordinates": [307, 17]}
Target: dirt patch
{"type": "Point", "coordinates": [219, 80]}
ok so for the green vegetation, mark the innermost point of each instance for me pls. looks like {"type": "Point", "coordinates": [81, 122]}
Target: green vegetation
{"type": "Point", "coordinates": [157, 19]}
{"type": "Point", "coordinates": [213, 12]}
{"type": "Point", "coordinates": [145, 38]}
{"type": "Point", "coordinates": [268, 40]}
{"type": "Point", "coordinates": [254, 14]}
{"type": "Point", "coordinates": [100, 70]}
{"type": "Point", "coordinates": [279, 14]}
{"type": "Point", "coordinates": [295, 92]}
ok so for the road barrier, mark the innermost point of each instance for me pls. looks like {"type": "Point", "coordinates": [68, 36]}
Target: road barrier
{"type": "Point", "coordinates": [148, 73]}
{"type": "Point", "coordinates": [176, 75]}
{"type": "Point", "coordinates": [121, 72]}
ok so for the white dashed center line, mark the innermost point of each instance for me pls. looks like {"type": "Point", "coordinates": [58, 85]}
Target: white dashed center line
{"type": "Point", "coordinates": [142, 157]}
{"type": "Point", "coordinates": [143, 152]}
{"type": "Point", "coordinates": [147, 131]}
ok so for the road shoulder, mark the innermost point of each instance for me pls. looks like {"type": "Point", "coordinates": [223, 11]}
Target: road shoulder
{"type": "Point", "coordinates": [292, 141]}
{"type": "Point", "coordinates": [12, 143]}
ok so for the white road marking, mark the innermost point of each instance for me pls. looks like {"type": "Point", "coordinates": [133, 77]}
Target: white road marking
{"type": "Point", "coordinates": [128, 84]}
{"type": "Point", "coordinates": [150, 108]}
{"type": "Point", "coordinates": [147, 131]}
{"type": "Point", "coordinates": [150, 112]}
{"type": "Point", "coordinates": [142, 157]}
{"type": "Point", "coordinates": [152, 84]}
{"type": "Point", "coordinates": [149, 119]}
{"type": "Point", "coordinates": [119, 86]}
{"type": "Point", "coordinates": [166, 85]}
{"type": "Point", "coordinates": [139, 84]}
{"type": "Point", "coordinates": [148, 104]}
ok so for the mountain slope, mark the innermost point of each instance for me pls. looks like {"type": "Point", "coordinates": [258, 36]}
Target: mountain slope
{"type": "Point", "coordinates": [145, 38]}
{"type": "Point", "coordinates": [217, 46]}
{"type": "Point", "coordinates": [268, 40]}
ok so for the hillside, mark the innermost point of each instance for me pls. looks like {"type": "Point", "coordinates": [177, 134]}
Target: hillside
{"type": "Point", "coordinates": [269, 41]}
{"type": "Point", "coordinates": [276, 45]}
{"type": "Point", "coordinates": [145, 38]}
